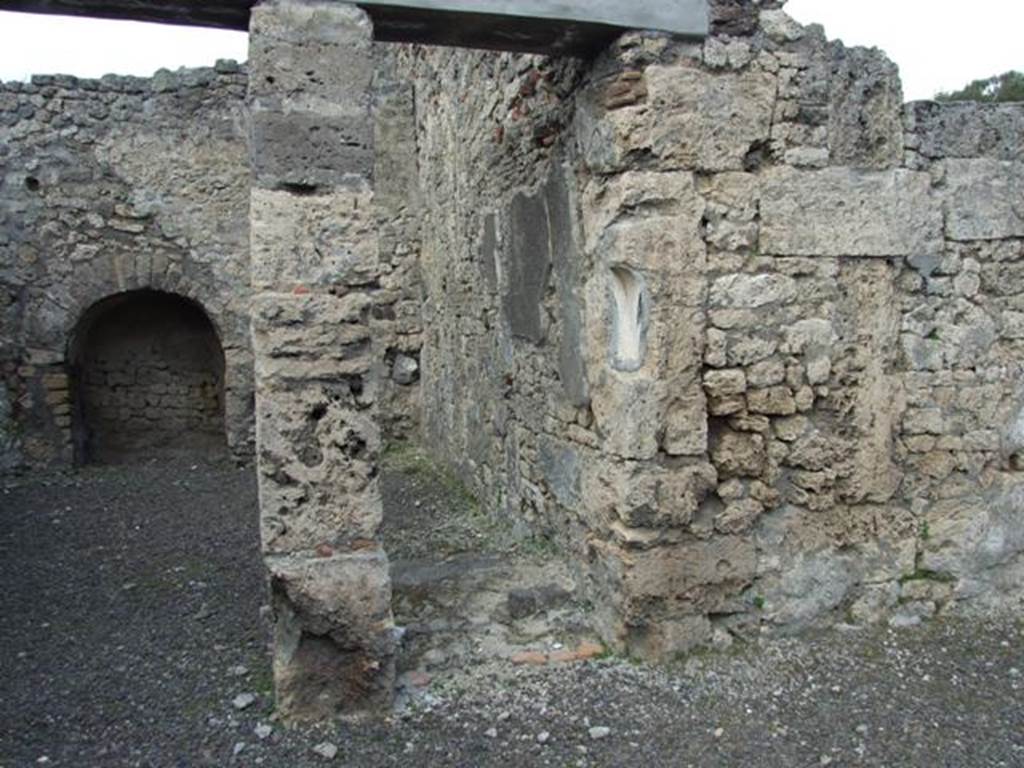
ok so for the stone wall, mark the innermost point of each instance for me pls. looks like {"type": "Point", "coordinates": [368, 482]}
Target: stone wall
{"type": "Point", "coordinates": [397, 328]}
{"type": "Point", "coordinates": [126, 183]}
{"type": "Point", "coordinates": [726, 320]}
{"type": "Point", "coordinates": [731, 323]}
{"type": "Point", "coordinates": [114, 185]}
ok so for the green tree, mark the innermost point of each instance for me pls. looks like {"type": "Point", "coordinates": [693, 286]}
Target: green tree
{"type": "Point", "coordinates": [1008, 86]}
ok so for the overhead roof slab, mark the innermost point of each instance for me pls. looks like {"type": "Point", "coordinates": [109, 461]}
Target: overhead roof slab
{"type": "Point", "coordinates": [557, 27]}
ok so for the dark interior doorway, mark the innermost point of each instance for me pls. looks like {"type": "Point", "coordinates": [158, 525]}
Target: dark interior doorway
{"type": "Point", "coordinates": [147, 374]}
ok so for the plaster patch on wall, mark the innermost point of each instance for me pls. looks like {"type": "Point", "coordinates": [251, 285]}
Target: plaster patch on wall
{"type": "Point", "coordinates": [629, 321]}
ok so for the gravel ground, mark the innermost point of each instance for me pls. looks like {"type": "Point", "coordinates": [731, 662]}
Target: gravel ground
{"type": "Point", "coordinates": [129, 623]}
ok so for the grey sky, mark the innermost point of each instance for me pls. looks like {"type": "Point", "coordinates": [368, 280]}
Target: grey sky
{"type": "Point", "coordinates": [938, 44]}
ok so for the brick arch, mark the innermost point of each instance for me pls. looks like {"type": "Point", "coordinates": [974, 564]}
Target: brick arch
{"type": "Point", "coordinates": [176, 284]}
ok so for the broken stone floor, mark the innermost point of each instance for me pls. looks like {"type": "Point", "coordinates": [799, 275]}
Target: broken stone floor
{"type": "Point", "coordinates": [131, 636]}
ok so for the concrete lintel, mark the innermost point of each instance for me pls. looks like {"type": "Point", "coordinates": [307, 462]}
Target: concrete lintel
{"type": "Point", "coordinates": [559, 27]}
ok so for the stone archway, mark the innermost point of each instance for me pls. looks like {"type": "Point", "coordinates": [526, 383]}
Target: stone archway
{"type": "Point", "coordinates": [147, 378]}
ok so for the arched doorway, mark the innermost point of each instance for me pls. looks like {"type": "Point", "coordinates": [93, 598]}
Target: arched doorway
{"type": "Point", "coordinates": [147, 377]}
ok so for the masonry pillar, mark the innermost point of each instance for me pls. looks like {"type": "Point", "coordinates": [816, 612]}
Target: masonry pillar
{"type": "Point", "coordinates": [314, 275]}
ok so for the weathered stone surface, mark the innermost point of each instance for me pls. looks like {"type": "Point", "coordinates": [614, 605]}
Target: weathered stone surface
{"type": "Point", "coordinates": [10, 453]}
{"type": "Point", "coordinates": [865, 128]}
{"type": "Point", "coordinates": [317, 372]}
{"type": "Point", "coordinates": [984, 199]}
{"type": "Point", "coordinates": [302, 337]}
{"type": "Point", "coordinates": [738, 516]}
{"type": "Point", "coordinates": [738, 453]}
{"type": "Point", "coordinates": [317, 447]}
{"type": "Point", "coordinates": [311, 150]}
{"type": "Point", "coordinates": [333, 646]}
{"type": "Point", "coordinates": [310, 129]}
{"type": "Point", "coordinates": [561, 466]}
{"type": "Point", "coordinates": [722, 383]}
{"type": "Point", "coordinates": [731, 216]}
{"type": "Point", "coordinates": [642, 497]}
{"type": "Point", "coordinates": [629, 414]}
{"type": "Point", "coordinates": [752, 291]}
{"type": "Point", "coordinates": [668, 638]}
{"type": "Point", "coordinates": [635, 198]}
{"type": "Point", "coordinates": [692, 575]}
{"type": "Point", "coordinates": [780, 26]}
{"type": "Point", "coordinates": [966, 130]}
{"type": "Point", "coordinates": [691, 120]}
{"type": "Point", "coordinates": [686, 426]}
{"type": "Point", "coordinates": [313, 241]}
{"type": "Point", "coordinates": [297, 49]}
{"type": "Point", "coordinates": [976, 543]}
{"type": "Point", "coordinates": [405, 370]}
{"type": "Point", "coordinates": [840, 212]}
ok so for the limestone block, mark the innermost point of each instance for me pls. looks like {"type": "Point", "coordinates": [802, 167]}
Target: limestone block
{"type": "Point", "coordinates": [929, 421]}
{"type": "Point", "coordinates": [310, 151]}
{"type": "Point", "coordinates": [766, 373]}
{"type": "Point", "coordinates": [721, 383]}
{"type": "Point", "coordinates": [405, 370]}
{"type": "Point", "coordinates": [966, 129]}
{"type": "Point", "coordinates": [646, 497]}
{"type": "Point", "coordinates": [813, 451]}
{"type": "Point", "coordinates": [297, 49]}
{"type": "Point", "coordinates": [809, 336]}
{"type": "Point", "coordinates": [726, 54]}
{"type": "Point", "coordinates": [644, 199]}
{"type": "Point", "coordinates": [811, 585]}
{"type": "Point", "coordinates": [752, 291]}
{"type": "Point", "coordinates": [732, 210]}
{"type": "Point", "coordinates": [697, 575]}
{"type": "Point", "coordinates": [876, 395]}
{"type": "Point", "coordinates": [843, 212]}
{"type": "Point", "coordinates": [780, 26]}
{"type": "Point", "coordinates": [773, 401]}
{"type": "Point", "coordinates": [668, 638]}
{"type": "Point", "coordinates": [974, 539]}
{"type": "Point", "coordinates": [312, 336]}
{"type": "Point", "coordinates": [629, 414]}
{"type": "Point", "coordinates": [692, 120]}
{"type": "Point", "coordinates": [727, 405]}
{"type": "Point", "coordinates": [739, 454]}
{"type": "Point", "coordinates": [333, 634]}
{"type": "Point", "coordinates": [716, 345]}
{"type": "Point", "coordinates": [686, 426]}
{"type": "Point", "coordinates": [747, 350]}
{"type": "Point", "coordinates": [984, 199]}
{"type": "Point", "coordinates": [313, 241]}
{"type": "Point", "coordinates": [865, 127]}
{"type": "Point", "coordinates": [738, 516]}
{"type": "Point", "coordinates": [317, 448]}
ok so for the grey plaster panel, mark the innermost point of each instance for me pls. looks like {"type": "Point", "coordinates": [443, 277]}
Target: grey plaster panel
{"type": "Point", "coordinates": [565, 256]}
{"type": "Point", "coordinates": [528, 266]}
